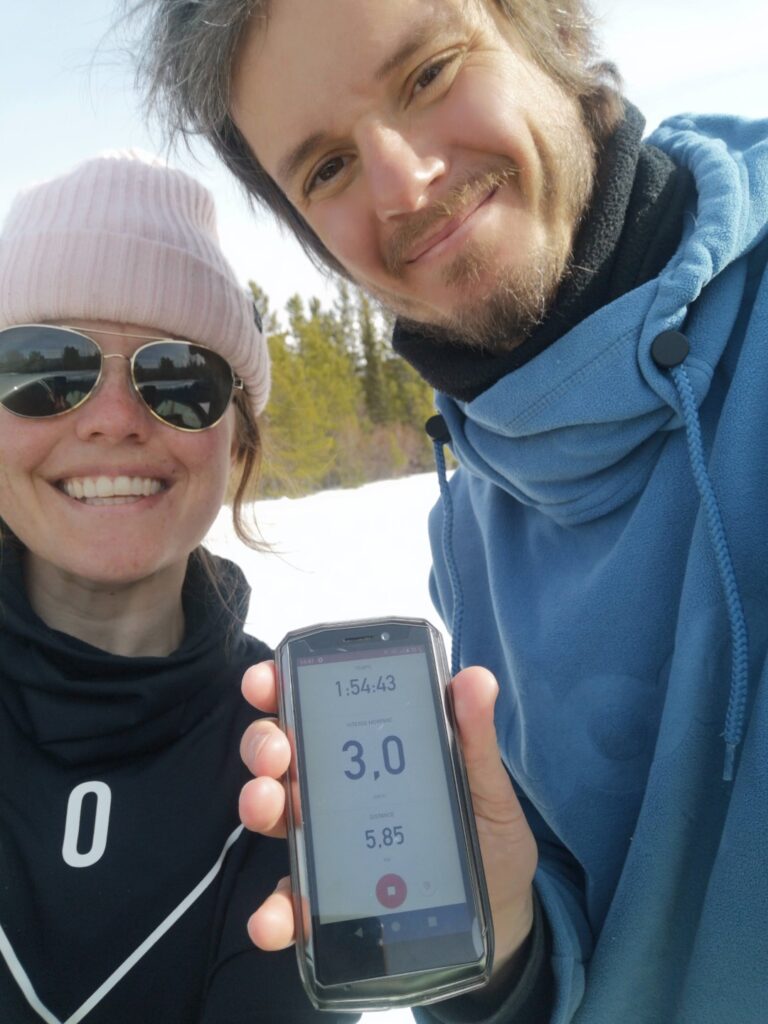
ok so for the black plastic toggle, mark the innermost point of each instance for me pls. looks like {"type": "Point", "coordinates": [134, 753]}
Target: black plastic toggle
{"type": "Point", "coordinates": [669, 349]}
{"type": "Point", "coordinates": [437, 429]}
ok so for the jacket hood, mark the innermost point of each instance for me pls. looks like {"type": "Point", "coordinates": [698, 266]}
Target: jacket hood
{"type": "Point", "coordinates": [574, 432]}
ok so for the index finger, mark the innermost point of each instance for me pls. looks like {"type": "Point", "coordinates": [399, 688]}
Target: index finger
{"type": "Point", "coordinates": [259, 686]}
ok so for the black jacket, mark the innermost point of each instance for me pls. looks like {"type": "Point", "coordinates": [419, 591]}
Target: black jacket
{"type": "Point", "coordinates": [119, 780]}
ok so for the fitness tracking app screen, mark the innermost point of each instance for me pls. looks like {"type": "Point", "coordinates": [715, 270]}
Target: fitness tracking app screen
{"type": "Point", "coordinates": [381, 818]}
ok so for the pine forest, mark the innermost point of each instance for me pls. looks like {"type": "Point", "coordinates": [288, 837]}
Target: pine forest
{"type": "Point", "coordinates": [344, 409]}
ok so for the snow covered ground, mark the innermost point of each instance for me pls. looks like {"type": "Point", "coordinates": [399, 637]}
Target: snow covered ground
{"type": "Point", "coordinates": [345, 554]}
{"type": "Point", "coordinates": [338, 555]}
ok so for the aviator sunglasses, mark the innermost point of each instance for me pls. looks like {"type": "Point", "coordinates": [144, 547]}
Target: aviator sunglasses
{"type": "Point", "coordinates": [49, 370]}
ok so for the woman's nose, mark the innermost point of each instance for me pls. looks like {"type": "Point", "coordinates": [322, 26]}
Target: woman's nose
{"type": "Point", "coordinates": [114, 411]}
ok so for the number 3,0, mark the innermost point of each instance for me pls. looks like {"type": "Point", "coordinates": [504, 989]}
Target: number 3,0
{"type": "Point", "coordinates": [69, 850]}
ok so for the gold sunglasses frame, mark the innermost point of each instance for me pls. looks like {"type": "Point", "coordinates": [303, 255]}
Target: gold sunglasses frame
{"type": "Point", "coordinates": [237, 382]}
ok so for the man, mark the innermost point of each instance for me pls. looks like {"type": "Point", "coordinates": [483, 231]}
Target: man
{"type": "Point", "coordinates": [590, 309]}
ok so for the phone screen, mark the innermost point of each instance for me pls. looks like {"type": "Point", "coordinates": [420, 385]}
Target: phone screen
{"type": "Point", "coordinates": [387, 864]}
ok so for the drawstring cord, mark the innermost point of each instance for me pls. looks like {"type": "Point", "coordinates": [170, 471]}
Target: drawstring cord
{"type": "Point", "coordinates": [438, 431]}
{"type": "Point", "coordinates": [669, 351]}
{"type": "Point", "coordinates": [737, 701]}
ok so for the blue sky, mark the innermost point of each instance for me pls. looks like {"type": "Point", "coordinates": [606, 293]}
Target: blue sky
{"type": "Point", "coordinates": [66, 94]}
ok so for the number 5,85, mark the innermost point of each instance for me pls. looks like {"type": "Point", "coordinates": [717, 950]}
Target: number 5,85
{"type": "Point", "coordinates": [387, 836]}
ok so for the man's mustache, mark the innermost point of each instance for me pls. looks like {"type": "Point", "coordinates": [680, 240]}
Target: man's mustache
{"type": "Point", "coordinates": [423, 223]}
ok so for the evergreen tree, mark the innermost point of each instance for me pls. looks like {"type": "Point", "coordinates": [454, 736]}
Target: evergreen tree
{"type": "Point", "coordinates": [269, 324]}
{"type": "Point", "coordinates": [328, 365]}
{"type": "Point", "coordinates": [345, 320]}
{"type": "Point", "coordinates": [372, 373]}
{"type": "Point", "coordinates": [343, 408]}
{"type": "Point", "coordinates": [409, 395]}
{"type": "Point", "coordinates": [334, 389]}
{"type": "Point", "coordinates": [297, 450]}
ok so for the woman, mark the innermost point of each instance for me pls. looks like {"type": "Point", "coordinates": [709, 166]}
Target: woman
{"type": "Point", "coordinates": [131, 375]}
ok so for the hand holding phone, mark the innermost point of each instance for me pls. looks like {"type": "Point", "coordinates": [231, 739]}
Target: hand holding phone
{"type": "Point", "coordinates": [508, 848]}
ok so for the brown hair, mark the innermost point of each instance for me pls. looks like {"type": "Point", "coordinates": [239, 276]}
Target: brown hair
{"type": "Point", "coordinates": [559, 35]}
{"type": "Point", "coordinates": [245, 476]}
{"type": "Point", "coordinates": [189, 49]}
{"type": "Point", "coordinates": [240, 494]}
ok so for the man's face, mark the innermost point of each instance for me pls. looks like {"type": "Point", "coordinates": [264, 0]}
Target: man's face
{"type": "Point", "coordinates": [429, 153]}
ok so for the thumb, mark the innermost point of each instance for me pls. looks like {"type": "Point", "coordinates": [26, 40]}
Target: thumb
{"type": "Point", "coordinates": [507, 843]}
{"type": "Point", "coordinates": [474, 691]}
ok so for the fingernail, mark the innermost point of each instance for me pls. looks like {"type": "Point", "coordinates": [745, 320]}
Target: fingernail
{"type": "Point", "coordinates": [256, 745]}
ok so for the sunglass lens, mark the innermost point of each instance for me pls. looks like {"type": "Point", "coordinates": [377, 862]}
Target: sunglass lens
{"type": "Point", "coordinates": [45, 370]}
{"type": "Point", "coordinates": [185, 385]}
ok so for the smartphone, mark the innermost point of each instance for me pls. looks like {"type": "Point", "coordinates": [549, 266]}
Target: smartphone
{"type": "Point", "coordinates": [390, 898]}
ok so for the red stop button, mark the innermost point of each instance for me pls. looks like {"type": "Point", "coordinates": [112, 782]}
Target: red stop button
{"type": "Point", "coordinates": [391, 891]}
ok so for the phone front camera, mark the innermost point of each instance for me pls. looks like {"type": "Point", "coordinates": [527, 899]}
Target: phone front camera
{"type": "Point", "coordinates": [385, 636]}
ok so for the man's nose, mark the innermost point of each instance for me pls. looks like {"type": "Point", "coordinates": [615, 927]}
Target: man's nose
{"type": "Point", "coordinates": [400, 171]}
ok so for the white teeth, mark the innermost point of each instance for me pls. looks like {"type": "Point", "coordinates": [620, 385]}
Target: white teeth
{"type": "Point", "coordinates": [100, 487]}
{"type": "Point", "coordinates": [122, 485]}
{"type": "Point", "coordinates": [124, 500]}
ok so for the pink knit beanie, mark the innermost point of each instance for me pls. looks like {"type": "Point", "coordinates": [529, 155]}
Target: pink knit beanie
{"type": "Point", "coordinates": [124, 238]}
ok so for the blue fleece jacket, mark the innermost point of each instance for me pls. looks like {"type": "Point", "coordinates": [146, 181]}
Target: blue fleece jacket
{"type": "Point", "coordinates": [615, 578]}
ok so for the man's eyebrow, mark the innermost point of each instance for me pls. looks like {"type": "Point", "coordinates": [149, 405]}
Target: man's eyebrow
{"type": "Point", "coordinates": [293, 160]}
{"type": "Point", "coordinates": [403, 53]}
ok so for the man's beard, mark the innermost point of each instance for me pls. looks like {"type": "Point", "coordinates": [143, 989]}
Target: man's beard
{"type": "Point", "coordinates": [501, 317]}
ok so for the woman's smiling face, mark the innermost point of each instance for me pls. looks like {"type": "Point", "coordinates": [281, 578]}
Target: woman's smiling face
{"type": "Point", "coordinates": [427, 150]}
{"type": "Point", "coordinates": [107, 493]}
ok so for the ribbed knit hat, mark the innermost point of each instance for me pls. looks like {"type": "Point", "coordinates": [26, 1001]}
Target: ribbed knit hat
{"type": "Point", "coordinates": [124, 238]}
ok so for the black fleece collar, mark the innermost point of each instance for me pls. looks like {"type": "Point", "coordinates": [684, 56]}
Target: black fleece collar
{"type": "Point", "coordinates": [82, 704]}
{"type": "Point", "coordinates": [632, 230]}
